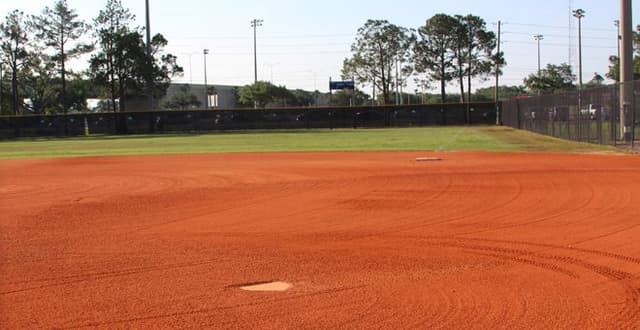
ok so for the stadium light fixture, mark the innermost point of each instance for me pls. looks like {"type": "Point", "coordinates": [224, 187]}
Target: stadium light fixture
{"type": "Point", "coordinates": [254, 24]}
{"type": "Point", "coordinates": [206, 89]}
{"type": "Point", "coordinates": [538, 38]}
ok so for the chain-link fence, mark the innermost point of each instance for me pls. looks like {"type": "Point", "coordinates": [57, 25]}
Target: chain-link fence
{"type": "Point", "coordinates": [591, 115]}
{"type": "Point", "coordinates": [220, 120]}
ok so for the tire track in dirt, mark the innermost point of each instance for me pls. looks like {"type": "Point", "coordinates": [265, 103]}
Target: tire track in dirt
{"type": "Point", "coordinates": [291, 298]}
{"type": "Point", "coordinates": [628, 315]}
{"type": "Point", "coordinates": [74, 279]}
{"type": "Point", "coordinates": [439, 193]}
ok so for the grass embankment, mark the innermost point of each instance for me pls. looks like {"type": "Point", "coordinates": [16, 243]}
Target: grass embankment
{"type": "Point", "coordinates": [408, 139]}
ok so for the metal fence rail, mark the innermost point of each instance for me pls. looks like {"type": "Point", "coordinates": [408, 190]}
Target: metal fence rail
{"type": "Point", "coordinates": [591, 115]}
{"type": "Point", "coordinates": [219, 120]}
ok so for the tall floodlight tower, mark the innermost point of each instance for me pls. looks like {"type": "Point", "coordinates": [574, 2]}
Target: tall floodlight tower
{"type": "Point", "coordinates": [206, 88]}
{"type": "Point", "coordinates": [570, 58]}
{"type": "Point", "coordinates": [538, 38]}
{"type": "Point", "coordinates": [254, 24]}
{"type": "Point", "coordinates": [579, 14]}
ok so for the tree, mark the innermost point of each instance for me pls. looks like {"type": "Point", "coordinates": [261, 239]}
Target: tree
{"type": "Point", "coordinates": [462, 39]}
{"type": "Point", "coordinates": [350, 97]}
{"type": "Point", "coordinates": [480, 46]}
{"type": "Point", "coordinates": [614, 61]}
{"type": "Point", "coordinates": [160, 67]}
{"type": "Point", "coordinates": [4, 102]}
{"type": "Point", "coordinates": [80, 89]}
{"type": "Point", "coordinates": [301, 98]}
{"type": "Point", "coordinates": [111, 25]}
{"type": "Point", "coordinates": [434, 52]}
{"type": "Point", "coordinates": [596, 81]}
{"type": "Point", "coordinates": [551, 79]}
{"type": "Point", "coordinates": [14, 50]}
{"type": "Point", "coordinates": [60, 29]}
{"type": "Point", "coordinates": [133, 67]}
{"type": "Point", "coordinates": [183, 99]}
{"type": "Point", "coordinates": [506, 92]}
{"type": "Point", "coordinates": [379, 44]}
{"type": "Point", "coordinates": [614, 68]}
{"type": "Point", "coordinates": [262, 93]}
{"type": "Point", "coordinates": [40, 85]}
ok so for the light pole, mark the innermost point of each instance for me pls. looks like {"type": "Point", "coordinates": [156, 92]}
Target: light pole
{"type": "Point", "coordinates": [538, 38]}
{"type": "Point", "coordinates": [150, 82]}
{"type": "Point", "coordinates": [254, 24]}
{"type": "Point", "coordinates": [579, 14]}
{"type": "Point", "coordinates": [206, 89]}
{"type": "Point", "coordinates": [497, 91]}
{"type": "Point", "coordinates": [271, 65]}
{"type": "Point", "coordinates": [190, 55]}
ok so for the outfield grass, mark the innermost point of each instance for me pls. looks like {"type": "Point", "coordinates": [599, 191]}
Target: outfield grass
{"type": "Point", "coordinates": [408, 139]}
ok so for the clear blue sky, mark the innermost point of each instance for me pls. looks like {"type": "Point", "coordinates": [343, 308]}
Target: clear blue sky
{"type": "Point", "coordinates": [302, 43]}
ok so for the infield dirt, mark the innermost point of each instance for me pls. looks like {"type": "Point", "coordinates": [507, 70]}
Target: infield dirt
{"type": "Point", "coordinates": [367, 240]}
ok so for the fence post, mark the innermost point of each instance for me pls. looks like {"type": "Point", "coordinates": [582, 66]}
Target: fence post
{"type": "Point", "coordinates": [633, 116]}
{"type": "Point", "coordinates": [614, 115]}
{"type": "Point", "coordinates": [518, 114]}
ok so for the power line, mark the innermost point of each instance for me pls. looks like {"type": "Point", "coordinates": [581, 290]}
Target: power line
{"type": "Point", "coordinates": [558, 27]}
{"type": "Point", "coordinates": [311, 36]}
{"type": "Point", "coordinates": [309, 52]}
{"type": "Point", "coordinates": [556, 35]}
{"type": "Point", "coordinates": [557, 44]}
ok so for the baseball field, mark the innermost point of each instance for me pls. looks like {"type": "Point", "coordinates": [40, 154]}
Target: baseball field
{"type": "Point", "coordinates": [458, 228]}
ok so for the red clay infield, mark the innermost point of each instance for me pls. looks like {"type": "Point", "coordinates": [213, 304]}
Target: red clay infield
{"type": "Point", "coordinates": [368, 240]}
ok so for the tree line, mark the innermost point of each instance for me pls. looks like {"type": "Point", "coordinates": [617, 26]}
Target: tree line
{"type": "Point", "coordinates": [447, 50]}
{"type": "Point", "coordinates": [35, 50]}
{"type": "Point", "coordinates": [386, 56]}
{"type": "Point", "coordinates": [560, 77]}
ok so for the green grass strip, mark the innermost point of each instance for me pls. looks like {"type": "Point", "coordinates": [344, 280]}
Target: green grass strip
{"type": "Point", "coordinates": [395, 139]}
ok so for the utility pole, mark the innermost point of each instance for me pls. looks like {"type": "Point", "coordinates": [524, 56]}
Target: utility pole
{"type": "Point", "coordinates": [498, 75]}
{"type": "Point", "coordinates": [618, 37]}
{"type": "Point", "coordinates": [254, 24]}
{"type": "Point", "coordinates": [148, 30]}
{"type": "Point", "coordinates": [538, 38]}
{"type": "Point", "coordinates": [206, 89]}
{"type": "Point", "coordinates": [626, 70]}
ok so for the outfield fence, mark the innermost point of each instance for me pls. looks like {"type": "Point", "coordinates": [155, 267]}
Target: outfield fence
{"type": "Point", "coordinates": [236, 119]}
{"type": "Point", "coordinates": [591, 115]}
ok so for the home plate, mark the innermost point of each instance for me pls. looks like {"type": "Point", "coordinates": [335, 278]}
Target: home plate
{"type": "Point", "coordinates": [428, 159]}
{"type": "Point", "coordinates": [268, 287]}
